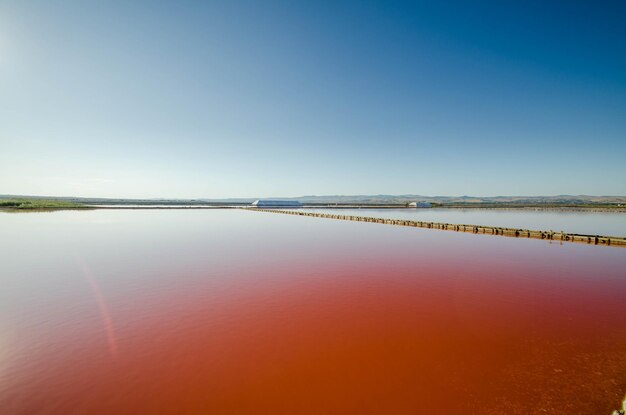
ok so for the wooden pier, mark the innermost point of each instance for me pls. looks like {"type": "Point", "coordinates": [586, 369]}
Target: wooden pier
{"type": "Point", "coordinates": [488, 230]}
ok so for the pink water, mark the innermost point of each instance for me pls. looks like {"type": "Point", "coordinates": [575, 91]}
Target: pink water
{"type": "Point", "coordinates": [248, 312]}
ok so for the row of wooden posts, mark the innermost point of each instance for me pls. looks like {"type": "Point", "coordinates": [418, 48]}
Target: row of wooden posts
{"type": "Point", "coordinates": [490, 230]}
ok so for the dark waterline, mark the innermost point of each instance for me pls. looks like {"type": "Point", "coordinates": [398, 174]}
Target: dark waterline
{"type": "Point", "coordinates": [228, 312]}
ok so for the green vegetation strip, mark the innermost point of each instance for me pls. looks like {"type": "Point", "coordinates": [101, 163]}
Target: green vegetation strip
{"type": "Point", "coordinates": [488, 230]}
{"type": "Point", "coordinates": [39, 204]}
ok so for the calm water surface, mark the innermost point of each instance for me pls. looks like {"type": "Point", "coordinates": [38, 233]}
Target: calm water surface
{"type": "Point", "coordinates": [585, 222]}
{"type": "Point", "coordinates": [230, 311]}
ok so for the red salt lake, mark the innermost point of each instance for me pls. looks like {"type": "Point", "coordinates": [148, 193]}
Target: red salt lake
{"type": "Point", "coordinates": [235, 312]}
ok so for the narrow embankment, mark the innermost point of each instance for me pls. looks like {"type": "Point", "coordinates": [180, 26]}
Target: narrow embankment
{"type": "Point", "coordinates": [488, 230]}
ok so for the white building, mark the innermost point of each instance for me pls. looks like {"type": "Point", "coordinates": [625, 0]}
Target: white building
{"type": "Point", "coordinates": [420, 205]}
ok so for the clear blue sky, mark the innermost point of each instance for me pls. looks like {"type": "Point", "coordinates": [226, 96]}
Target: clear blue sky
{"type": "Point", "coordinates": [263, 98]}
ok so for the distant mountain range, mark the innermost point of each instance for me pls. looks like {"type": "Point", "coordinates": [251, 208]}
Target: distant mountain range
{"type": "Point", "coordinates": [366, 199]}
{"type": "Point", "coordinates": [560, 199]}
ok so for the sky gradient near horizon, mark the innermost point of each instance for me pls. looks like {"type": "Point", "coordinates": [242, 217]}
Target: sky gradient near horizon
{"type": "Point", "coordinates": [267, 99]}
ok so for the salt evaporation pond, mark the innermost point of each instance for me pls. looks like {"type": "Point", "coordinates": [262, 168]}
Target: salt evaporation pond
{"type": "Point", "coordinates": [232, 311]}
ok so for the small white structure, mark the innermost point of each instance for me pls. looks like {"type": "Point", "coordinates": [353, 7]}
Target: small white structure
{"type": "Point", "coordinates": [420, 205]}
{"type": "Point", "coordinates": [276, 203]}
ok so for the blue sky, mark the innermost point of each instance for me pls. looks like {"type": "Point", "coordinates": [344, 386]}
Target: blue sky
{"type": "Point", "coordinates": [245, 99]}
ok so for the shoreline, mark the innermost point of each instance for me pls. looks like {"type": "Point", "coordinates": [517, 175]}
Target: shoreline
{"type": "Point", "coordinates": [338, 207]}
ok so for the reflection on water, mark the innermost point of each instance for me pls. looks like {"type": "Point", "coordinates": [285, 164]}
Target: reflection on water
{"type": "Point", "coordinates": [230, 311]}
{"type": "Point", "coordinates": [579, 221]}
